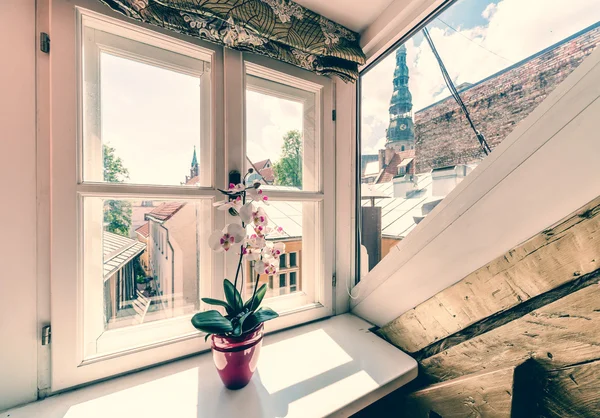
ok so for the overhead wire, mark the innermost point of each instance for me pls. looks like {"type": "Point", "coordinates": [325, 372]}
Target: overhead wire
{"type": "Point", "coordinates": [450, 84]}
{"type": "Point", "coordinates": [476, 43]}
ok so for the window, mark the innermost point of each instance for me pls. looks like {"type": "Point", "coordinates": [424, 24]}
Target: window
{"type": "Point", "coordinates": [285, 148]}
{"type": "Point", "coordinates": [293, 283]}
{"type": "Point", "coordinates": [416, 141]}
{"type": "Point", "coordinates": [292, 256]}
{"type": "Point", "coordinates": [134, 96]}
{"type": "Point", "coordinates": [282, 264]}
{"type": "Point", "coordinates": [141, 130]}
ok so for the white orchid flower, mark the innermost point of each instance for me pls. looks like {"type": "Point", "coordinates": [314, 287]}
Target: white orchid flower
{"type": "Point", "coordinates": [258, 195]}
{"type": "Point", "coordinates": [250, 214]}
{"type": "Point", "coordinates": [253, 246]}
{"type": "Point", "coordinates": [262, 231]}
{"type": "Point", "coordinates": [236, 188]}
{"type": "Point", "coordinates": [229, 204]}
{"type": "Point", "coordinates": [274, 250]}
{"type": "Point", "coordinates": [223, 240]}
{"type": "Point", "coordinates": [246, 212]}
{"type": "Point", "coordinates": [267, 265]}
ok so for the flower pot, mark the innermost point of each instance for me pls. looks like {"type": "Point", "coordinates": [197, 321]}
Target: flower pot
{"type": "Point", "coordinates": [236, 357]}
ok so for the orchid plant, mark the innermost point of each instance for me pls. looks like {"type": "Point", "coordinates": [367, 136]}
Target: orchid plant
{"type": "Point", "coordinates": [242, 316]}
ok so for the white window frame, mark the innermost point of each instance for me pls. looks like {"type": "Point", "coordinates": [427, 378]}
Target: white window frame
{"type": "Point", "coordinates": [315, 299]}
{"type": "Point", "coordinates": [69, 365]}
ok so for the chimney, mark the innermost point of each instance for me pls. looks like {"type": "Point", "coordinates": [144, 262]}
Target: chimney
{"type": "Point", "coordinates": [381, 159]}
{"type": "Point", "coordinates": [444, 179]}
{"type": "Point", "coordinates": [404, 185]}
{"type": "Point", "coordinates": [389, 155]}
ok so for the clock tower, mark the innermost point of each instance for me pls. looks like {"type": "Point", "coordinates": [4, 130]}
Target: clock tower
{"type": "Point", "coordinates": [400, 135]}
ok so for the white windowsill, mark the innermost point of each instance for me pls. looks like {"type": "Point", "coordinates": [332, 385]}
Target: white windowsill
{"type": "Point", "coordinates": [333, 367]}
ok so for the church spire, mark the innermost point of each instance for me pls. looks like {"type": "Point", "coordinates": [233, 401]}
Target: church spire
{"type": "Point", "coordinates": [400, 134]}
{"type": "Point", "coordinates": [194, 159]}
{"type": "Point", "coordinates": [193, 169]}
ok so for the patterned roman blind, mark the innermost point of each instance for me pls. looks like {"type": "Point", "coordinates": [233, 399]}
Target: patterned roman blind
{"type": "Point", "coordinates": [279, 29]}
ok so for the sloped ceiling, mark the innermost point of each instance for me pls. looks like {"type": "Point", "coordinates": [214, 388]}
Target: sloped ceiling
{"type": "Point", "coordinates": [354, 14]}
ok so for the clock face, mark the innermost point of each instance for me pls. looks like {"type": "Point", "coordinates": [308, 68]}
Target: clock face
{"type": "Point", "coordinates": [403, 127]}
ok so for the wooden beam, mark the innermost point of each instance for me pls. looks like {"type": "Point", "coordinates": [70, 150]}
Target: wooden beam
{"type": "Point", "coordinates": [557, 255]}
{"type": "Point", "coordinates": [559, 334]}
{"type": "Point", "coordinates": [509, 315]}
{"type": "Point", "coordinates": [573, 391]}
{"type": "Point", "coordinates": [487, 394]}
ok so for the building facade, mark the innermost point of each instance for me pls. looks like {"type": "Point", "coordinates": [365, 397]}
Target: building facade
{"type": "Point", "coordinates": [497, 103]}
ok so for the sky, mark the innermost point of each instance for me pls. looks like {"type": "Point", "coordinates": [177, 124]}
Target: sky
{"type": "Point", "coordinates": [268, 118]}
{"type": "Point", "coordinates": [487, 36]}
{"type": "Point", "coordinates": [151, 116]}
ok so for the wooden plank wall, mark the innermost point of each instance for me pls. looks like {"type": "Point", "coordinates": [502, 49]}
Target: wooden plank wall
{"type": "Point", "coordinates": [537, 303]}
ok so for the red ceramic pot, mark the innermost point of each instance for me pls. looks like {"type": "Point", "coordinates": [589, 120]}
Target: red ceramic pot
{"type": "Point", "coordinates": [236, 357]}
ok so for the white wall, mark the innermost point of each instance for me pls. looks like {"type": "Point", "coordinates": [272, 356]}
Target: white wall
{"type": "Point", "coordinates": [548, 167]}
{"type": "Point", "coordinates": [18, 351]}
{"type": "Point", "coordinates": [394, 23]}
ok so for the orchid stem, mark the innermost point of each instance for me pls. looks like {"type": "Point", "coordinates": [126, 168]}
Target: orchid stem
{"type": "Point", "coordinates": [254, 292]}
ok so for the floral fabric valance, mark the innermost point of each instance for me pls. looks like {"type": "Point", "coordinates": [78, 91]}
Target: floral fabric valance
{"type": "Point", "coordinates": [279, 29]}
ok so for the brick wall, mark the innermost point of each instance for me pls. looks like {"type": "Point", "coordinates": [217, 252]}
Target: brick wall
{"type": "Point", "coordinates": [496, 104]}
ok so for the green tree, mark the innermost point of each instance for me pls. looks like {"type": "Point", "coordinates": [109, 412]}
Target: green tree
{"type": "Point", "coordinates": [117, 213]}
{"type": "Point", "coordinates": [288, 170]}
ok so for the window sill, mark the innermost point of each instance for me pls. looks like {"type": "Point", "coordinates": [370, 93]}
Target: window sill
{"type": "Point", "coordinates": [333, 367]}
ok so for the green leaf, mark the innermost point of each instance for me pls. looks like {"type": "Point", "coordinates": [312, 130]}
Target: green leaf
{"type": "Point", "coordinates": [260, 294]}
{"type": "Point", "coordinates": [262, 315]}
{"type": "Point", "coordinates": [211, 322]}
{"type": "Point", "coordinates": [239, 323]}
{"type": "Point", "coordinates": [218, 302]}
{"type": "Point", "coordinates": [233, 296]}
{"type": "Point", "coordinates": [206, 337]}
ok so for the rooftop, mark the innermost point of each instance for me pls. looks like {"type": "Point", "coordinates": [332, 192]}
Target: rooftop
{"type": "Point", "coordinates": [118, 251]}
{"type": "Point", "coordinates": [165, 211]}
{"type": "Point", "coordinates": [144, 230]}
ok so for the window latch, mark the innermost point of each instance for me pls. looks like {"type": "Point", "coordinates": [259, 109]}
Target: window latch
{"type": "Point", "coordinates": [46, 335]}
{"type": "Point", "coordinates": [44, 42]}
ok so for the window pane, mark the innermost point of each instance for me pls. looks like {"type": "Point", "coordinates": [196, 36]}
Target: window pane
{"type": "Point", "coordinates": [282, 136]}
{"type": "Point", "coordinates": [282, 281]}
{"type": "Point", "coordinates": [141, 262]}
{"type": "Point", "coordinates": [293, 262]}
{"type": "Point", "coordinates": [289, 216]}
{"type": "Point", "coordinates": [416, 141]}
{"type": "Point", "coordinates": [282, 261]}
{"type": "Point", "coordinates": [143, 121]}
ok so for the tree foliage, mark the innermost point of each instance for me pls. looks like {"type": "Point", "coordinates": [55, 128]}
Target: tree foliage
{"type": "Point", "coordinates": [288, 170]}
{"type": "Point", "coordinates": [117, 213]}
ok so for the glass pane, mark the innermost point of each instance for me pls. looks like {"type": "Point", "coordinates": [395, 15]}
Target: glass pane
{"type": "Point", "coordinates": [417, 143]}
{"type": "Point", "coordinates": [141, 260]}
{"type": "Point", "coordinates": [282, 261]}
{"type": "Point", "coordinates": [282, 142]}
{"type": "Point", "coordinates": [143, 122]}
{"type": "Point", "coordinates": [288, 216]}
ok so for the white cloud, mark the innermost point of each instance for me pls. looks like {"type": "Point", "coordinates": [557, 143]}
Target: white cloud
{"type": "Point", "coordinates": [515, 30]}
{"type": "Point", "coordinates": [489, 11]}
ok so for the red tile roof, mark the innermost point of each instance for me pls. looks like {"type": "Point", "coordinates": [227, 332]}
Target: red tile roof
{"type": "Point", "coordinates": [193, 181]}
{"type": "Point", "coordinates": [261, 164]}
{"type": "Point", "coordinates": [144, 230]}
{"type": "Point", "coordinates": [267, 174]}
{"type": "Point", "coordinates": [165, 211]}
{"type": "Point", "coordinates": [391, 170]}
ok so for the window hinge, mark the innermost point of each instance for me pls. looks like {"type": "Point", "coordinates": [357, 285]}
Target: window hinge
{"type": "Point", "coordinates": [44, 42]}
{"type": "Point", "coordinates": [334, 280]}
{"type": "Point", "coordinates": [333, 115]}
{"type": "Point", "coordinates": [46, 335]}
